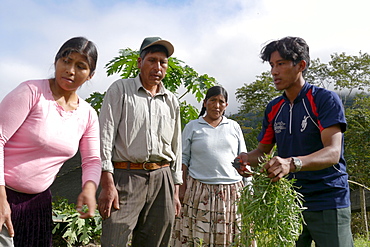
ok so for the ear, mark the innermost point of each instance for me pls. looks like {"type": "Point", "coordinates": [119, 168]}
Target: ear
{"type": "Point", "coordinates": [204, 103]}
{"type": "Point", "coordinates": [91, 75]}
{"type": "Point", "coordinates": [302, 65]}
{"type": "Point", "coordinates": [139, 61]}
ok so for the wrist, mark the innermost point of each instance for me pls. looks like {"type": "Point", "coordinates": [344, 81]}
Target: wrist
{"type": "Point", "coordinates": [296, 163]}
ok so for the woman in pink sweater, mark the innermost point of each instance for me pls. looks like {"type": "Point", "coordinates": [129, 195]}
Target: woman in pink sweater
{"type": "Point", "coordinates": [42, 124]}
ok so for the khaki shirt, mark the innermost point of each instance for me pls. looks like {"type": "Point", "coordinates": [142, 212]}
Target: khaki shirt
{"type": "Point", "coordinates": [136, 127]}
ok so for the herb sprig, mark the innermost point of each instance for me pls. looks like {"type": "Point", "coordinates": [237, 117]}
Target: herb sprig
{"type": "Point", "coordinates": [271, 212]}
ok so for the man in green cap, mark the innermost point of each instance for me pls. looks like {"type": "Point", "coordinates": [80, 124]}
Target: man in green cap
{"type": "Point", "coordinates": [140, 132]}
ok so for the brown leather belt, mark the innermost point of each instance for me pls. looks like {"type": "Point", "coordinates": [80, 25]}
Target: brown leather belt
{"type": "Point", "coordinates": [141, 166]}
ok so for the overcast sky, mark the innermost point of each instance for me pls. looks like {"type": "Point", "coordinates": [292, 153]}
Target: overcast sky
{"type": "Point", "coordinates": [221, 38]}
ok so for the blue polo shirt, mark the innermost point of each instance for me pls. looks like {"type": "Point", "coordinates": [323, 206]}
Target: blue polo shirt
{"type": "Point", "coordinates": [296, 129]}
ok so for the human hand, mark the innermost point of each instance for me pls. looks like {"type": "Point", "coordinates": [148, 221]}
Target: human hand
{"type": "Point", "coordinates": [108, 196]}
{"type": "Point", "coordinates": [177, 205]}
{"type": "Point", "coordinates": [277, 167]}
{"type": "Point", "coordinates": [241, 164]}
{"type": "Point", "coordinates": [5, 212]}
{"type": "Point", "coordinates": [176, 199]}
{"type": "Point", "coordinates": [87, 197]}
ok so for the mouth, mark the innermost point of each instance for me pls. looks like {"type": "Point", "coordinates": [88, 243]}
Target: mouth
{"type": "Point", "coordinates": [277, 80]}
{"type": "Point", "coordinates": [68, 79]}
{"type": "Point", "coordinates": [158, 77]}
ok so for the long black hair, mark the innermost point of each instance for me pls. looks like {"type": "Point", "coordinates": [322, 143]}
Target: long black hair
{"type": "Point", "coordinates": [213, 91]}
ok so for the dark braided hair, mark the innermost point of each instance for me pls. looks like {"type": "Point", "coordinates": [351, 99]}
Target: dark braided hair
{"type": "Point", "coordinates": [213, 91]}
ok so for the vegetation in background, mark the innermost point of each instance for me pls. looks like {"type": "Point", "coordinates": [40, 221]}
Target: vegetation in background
{"type": "Point", "coordinates": [70, 229]}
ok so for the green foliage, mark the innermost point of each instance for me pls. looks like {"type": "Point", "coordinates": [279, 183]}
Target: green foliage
{"type": "Point", "coordinates": [179, 76]}
{"type": "Point", "coordinates": [344, 73]}
{"type": "Point", "coordinates": [357, 139]}
{"type": "Point", "coordinates": [255, 96]}
{"type": "Point", "coordinates": [350, 72]}
{"type": "Point", "coordinates": [271, 212]}
{"type": "Point", "coordinates": [360, 241]}
{"type": "Point", "coordinates": [71, 227]}
{"type": "Point", "coordinates": [125, 64]}
{"type": "Point", "coordinates": [251, 125]}
{"type": "Point", "coordinates": [318, 74]}
{"type": "Point", "coordinates": [96, 100]}
{"type": "Point", "coordinates": [187, 112]}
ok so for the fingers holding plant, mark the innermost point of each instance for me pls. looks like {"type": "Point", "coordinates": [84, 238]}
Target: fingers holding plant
{"type": "Point", "coordinates": [277, 168]}
{"type": "Point", "coordinates": [242, 167]}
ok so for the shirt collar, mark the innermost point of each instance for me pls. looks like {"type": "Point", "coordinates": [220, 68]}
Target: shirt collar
{"type": "Point", "coordinates": [301, 94]}
{"type": "Point", "coordinates": [224, 120]}
{"type": "Point", "coordinates": [139, 85]}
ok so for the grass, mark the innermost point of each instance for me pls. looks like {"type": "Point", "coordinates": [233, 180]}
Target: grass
{"type": "Point", "coordinates": [361, 242]}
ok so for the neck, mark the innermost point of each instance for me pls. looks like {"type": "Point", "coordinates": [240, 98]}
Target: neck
{"type": "Point", "coordinates": [213, 122]}
{"type": "Point", "coordinates": [153, 90]}
{"type": "Point", "coordinates": [293, 91]}
{"type": "Point", "coordinates": [67, 99]}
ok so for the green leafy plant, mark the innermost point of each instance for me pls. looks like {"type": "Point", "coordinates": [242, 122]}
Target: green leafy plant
{"type": "Point", "coordinates": [72, 229]}
{"type": "Point", "coordinates": [271, 212]}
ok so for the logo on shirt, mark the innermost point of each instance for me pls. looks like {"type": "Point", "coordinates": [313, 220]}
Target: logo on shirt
{"type": "Point", "coordinates": [304, 123]}
{"type": "Point", "coordinates": [279, 126]}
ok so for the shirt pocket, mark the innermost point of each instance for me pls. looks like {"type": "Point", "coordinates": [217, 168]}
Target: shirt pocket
{"type": "Point", "coordinates": [166, 129]}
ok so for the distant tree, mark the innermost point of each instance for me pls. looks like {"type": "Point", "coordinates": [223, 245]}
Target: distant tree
{"type": "Point", "coordinates": [344, 74]}
{"type": "Point", "coordinates": [179, 77]}
{"type": "Point", "coordinates": [254, 97]}
{"type": "Point", "coordinates": [357, 139]}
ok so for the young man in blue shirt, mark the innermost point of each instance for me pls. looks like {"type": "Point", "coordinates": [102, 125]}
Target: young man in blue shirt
{"type": "Point", "coordinates": [307, 124]}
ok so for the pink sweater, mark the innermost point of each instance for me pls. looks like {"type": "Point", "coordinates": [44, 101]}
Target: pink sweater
{"type": "Point", "coordinates": [37, 136]}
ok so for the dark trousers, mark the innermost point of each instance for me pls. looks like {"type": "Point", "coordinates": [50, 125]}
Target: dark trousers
{"type": "Point", "coordinates": [327, 228]}
{"type": "Point", "coordinates": [146, 209]}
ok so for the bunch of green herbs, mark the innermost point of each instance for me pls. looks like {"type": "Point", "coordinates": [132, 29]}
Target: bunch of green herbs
{"type": "Point", "coordinates": [271, 212]}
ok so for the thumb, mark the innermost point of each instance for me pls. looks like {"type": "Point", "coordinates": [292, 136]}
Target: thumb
{"type": "Point", "coordinates": [8, 224]}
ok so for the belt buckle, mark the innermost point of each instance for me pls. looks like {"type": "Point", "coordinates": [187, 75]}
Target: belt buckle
{"type": "Point", "coordinates": [144, 163]}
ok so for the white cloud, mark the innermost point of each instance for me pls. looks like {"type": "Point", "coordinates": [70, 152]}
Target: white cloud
{"type": "Point", "coordinates": [219, 38]}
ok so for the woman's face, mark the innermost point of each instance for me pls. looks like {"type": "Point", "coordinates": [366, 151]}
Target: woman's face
{"type": "Point", "coordinates": [72, 71]}
{"type": "Point", "coordinates": [215, 106]}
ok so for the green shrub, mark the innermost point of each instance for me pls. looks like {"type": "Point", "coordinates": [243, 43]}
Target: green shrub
{"type": "Point", "coordinates": [70, 229]}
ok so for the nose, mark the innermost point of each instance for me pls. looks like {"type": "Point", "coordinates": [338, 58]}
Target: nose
{"type": "Point", "coordinates": [157, 66]}
{"type": "Point", "coordinates": [70, 69]}
{"type": "Point", "coordinates": [274, 71]}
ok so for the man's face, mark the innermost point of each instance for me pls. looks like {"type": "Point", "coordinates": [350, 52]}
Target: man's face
{"type": "Point", "coordinates": [153, 69]}
{"type": "Point", "coordinates": [284, 72]}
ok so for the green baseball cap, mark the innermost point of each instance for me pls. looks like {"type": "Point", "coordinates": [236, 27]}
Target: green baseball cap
{"type": "Point", "coordinates": [149, 41]}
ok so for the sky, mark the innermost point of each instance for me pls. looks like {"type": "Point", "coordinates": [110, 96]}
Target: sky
{"type": "Point", "coordinates": [220, 38]}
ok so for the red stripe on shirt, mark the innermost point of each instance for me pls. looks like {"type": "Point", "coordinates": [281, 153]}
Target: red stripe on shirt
{"type": "Point", "coordinates": [314, 108]}
{"type": "Point", "coordinates": [268, 137]}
